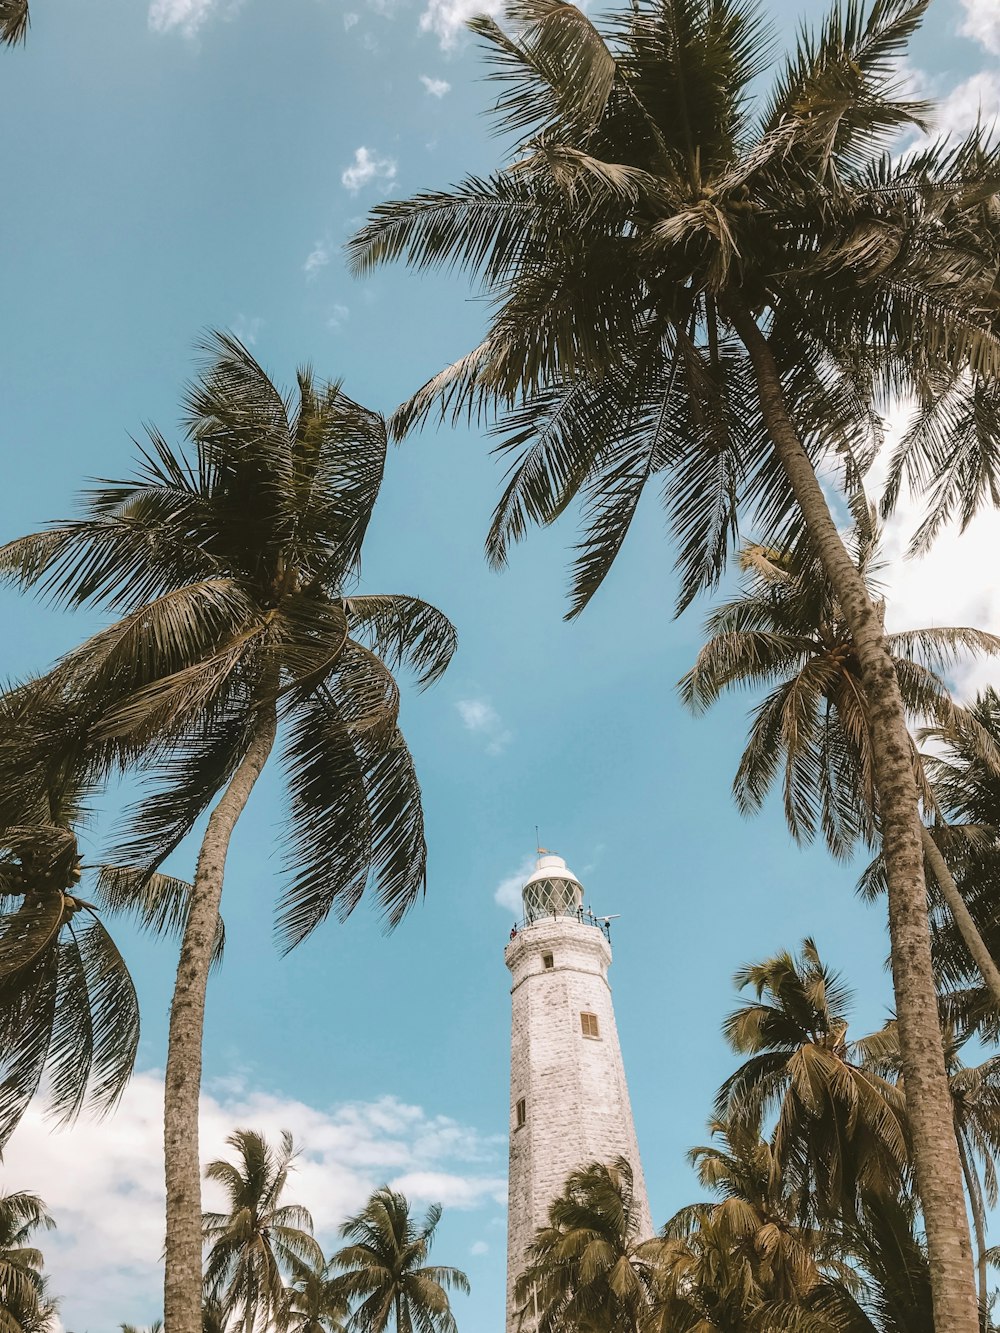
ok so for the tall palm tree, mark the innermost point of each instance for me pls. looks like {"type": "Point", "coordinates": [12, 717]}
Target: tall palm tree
{"type": "Point", "coordinates": [14, 22]}
{"type": "Point", "coordinates": [24, 1305]}
{"type": "Point", "coordinates": [841, 1130]}
{"type": "Point", "coordinates": [785, 629]}
{"type": "Point", "coordinates": [383, 1270]}
{"type": "Point", "coordinates": [258, 1239]}
{"type": "Point", "coordinates": [588, 1271]}
{"type": "Point", "coordinates": [232, 574]}
{"type": "Point", "coordinates": [700, 287]}
{"type": "Point", "coordinates": [316, 1303]}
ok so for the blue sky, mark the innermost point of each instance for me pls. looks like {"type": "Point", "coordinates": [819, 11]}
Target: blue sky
{"type": "Point", "coordinates": [200, 163]}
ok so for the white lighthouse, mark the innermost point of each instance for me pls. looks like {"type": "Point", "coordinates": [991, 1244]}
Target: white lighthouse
{"type": "Point", "coordinates": [569, 1102]}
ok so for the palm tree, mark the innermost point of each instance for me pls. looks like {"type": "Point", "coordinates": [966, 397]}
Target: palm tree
{"type": "Point", "coordinates": [231, 575]}
{"type": "Point", "coordinates": [701, 288]}
{"type": "Point", "coordinates": [14, 22]}
{"type": "Point", "coordinates": [68, 1008]}
{"type": "Point", "coordinates": [315, 1303]}
{"type": "Point", "coordinates": [383, 1269]}
{"type": "Point", "coordinates": [785, 628]}
{"type": "Point", "coordinates": [155, 1327]}
{"type": "Point", "coordinates": [749, 1259]}
{"type": "Point", "coordinates": [841, 1130]}
{"type": "Point", "coordinates": [975, 1093]}
{"type": "Point", "coordinates": [587, 1270]}
{"type": "Point", "coordinates": [24, 1305]}
{"type": "Point", "coordinates": [258, 1238]}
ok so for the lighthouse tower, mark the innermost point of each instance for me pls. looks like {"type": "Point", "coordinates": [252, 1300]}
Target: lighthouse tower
{"type": "Point", "coordinates": [569, 1102]}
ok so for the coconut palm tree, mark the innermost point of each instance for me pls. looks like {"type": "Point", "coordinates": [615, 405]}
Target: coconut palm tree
{"type": "Point", "coordinates": [785, 629]}
{"type": "Point", "coordinates": [700, 286]}
{"type": "Point", "coordinates": [14, 21]}
{"type": "Point", "coordinates": [841, 1130]}
{"type": "Point", "coordinates": [232, 574]}
{"type": "Point", "coordinates": [315, 1302]}
{"type": "Point", "coordinates": [24, 1304]}
{"type": "Point", "coordinates": [383, 1270]}
{"type": "Point", "coordinates": [588, 1270]}
{"type": "Point", "coordinates": [975, 1092]}
{"type": "Point", "coordinates": [258, 1239]}
{"type": "Point", "coordinates": [68, 1008]}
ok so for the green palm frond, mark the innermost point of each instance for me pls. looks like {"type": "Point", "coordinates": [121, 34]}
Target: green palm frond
{"type": "Point", "coordinates": [14, 21]}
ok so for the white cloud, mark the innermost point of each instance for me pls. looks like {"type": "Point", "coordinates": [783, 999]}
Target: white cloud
{"type": "Point", "coordinates": [977, 98]}
{"type": "Point", "coordinates": [446, 19]}
{"type": "Point", "coordinates": [482, 718]}
{"type": "Point", "coordinates": [338, 316]}
{"type": "Point", "coordinates": [247, 329]}
{"type": "Point", "coordinates": [436, 87]}
{"type": "Point", "coordinates": [350, 19]}
{"type": "Point", "coordinates": [103, 1183]}
{"type": "Point", "coordinates": [367, 167]}
{"type": "Point", "coordinates": [507, 893]}
{"type": "Point", "coordinates": [187, 16]}
{"type": "Point", "coordinates": [479, 1247]}
{"type": "Point", "coordinates": [947, 586]}
{"type": "Point", "coordinates": [317, 258]}
{"type": "Point", "coordinates": [982, 23]}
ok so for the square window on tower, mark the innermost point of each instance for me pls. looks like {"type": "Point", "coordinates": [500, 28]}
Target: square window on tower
{"type": "Point", "coordinates": [520, 1113]}
{"type": "Point", "coordinates": [588, 1025]}
{"type": "Point", "coordinates": [548, 962]}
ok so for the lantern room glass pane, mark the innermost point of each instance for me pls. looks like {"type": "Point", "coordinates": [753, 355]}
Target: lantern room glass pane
{"type": "Point", "coordinates": [552, 897]}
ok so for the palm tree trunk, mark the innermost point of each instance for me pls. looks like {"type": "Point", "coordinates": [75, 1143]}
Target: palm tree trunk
{"type": "Point", "coordinates": [975, 1194]}
{"type": "Point", "coordinates": [182, 1285]}
{"type": "Point", "coordinates": [967, 927]}
{"type": "Point", "coordinates": [928, 1101]}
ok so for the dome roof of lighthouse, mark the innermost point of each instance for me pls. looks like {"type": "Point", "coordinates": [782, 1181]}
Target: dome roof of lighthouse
{"type": "Point", "coordinates": [551, 889]}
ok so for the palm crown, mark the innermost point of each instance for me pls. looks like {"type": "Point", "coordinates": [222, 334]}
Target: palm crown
{"type": "Point", "coordinates": [653, 208]}
{"type": "Point", "coordinates": [384, 1273]}
{"type": "Point", "coordinates": [258, 1238]}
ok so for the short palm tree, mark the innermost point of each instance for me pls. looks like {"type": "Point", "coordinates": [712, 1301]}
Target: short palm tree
{"type": "Point", "coordinates": [785, 630]}
{"type": "Point", "coordinates": [589, 1270]}
{"type": "Point", "coordinates": [841, 1129]}
{"type": "Point", "coordinates": [316, 1303]}
{"type": "Point", "coordinates": [14, 21]}
{"type": "Point", "coordinates": [232, 574]}
{"type": "Point", "coordinates": [24, 1306]}
{"type": "Point", "coordinates": [699, 286]}
{"type": "Point", "coordinates": [383, 1272]}
{"type": "Point", "coordinates": [259, 1239]}
{"type": "Point", "coordinates": [746, 1260]}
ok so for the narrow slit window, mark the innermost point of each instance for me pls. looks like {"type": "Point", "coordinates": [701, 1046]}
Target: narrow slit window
{"type": "Point", "coordinates": [589, 1027]}
{"type": "Point", "coordinates": [520, 1113]}
{"type": "Point", "coordinates": [548, 962]}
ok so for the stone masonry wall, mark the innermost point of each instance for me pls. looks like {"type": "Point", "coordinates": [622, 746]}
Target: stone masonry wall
{"type": "Point", "coordinates": [576, 1098]}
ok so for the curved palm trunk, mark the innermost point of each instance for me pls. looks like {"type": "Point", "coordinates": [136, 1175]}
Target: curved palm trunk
{"type": "Point", "coordinates": [928, 1101]}
{"type": "Point", "coordinates": [975, 1194]}
{"type": "Point", "coordinates": [182, 1284]}
{"type": "Point", "coordinates": [968, 929]}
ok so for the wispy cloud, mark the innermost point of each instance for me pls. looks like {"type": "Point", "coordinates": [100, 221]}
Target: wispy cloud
{"type": "Point", "coordinates": [317, 258]}
{"type": "Point", "coordinates": [103, 1181]}
{"type": "Point", "coordinates": [436, 87]}
{"type": "Point", "coordinates": [338, 316]}
{"type": "Point", "coordinates": [368, 166]}
{"type": "Point", "coordinates": [507, 893]}
{"type": "Point", "coordinates": [982, 23]}
{"type": "Point", "coordinates": [479, 716]}
{"type": "Point", "coordinates": [350, 19]}
{"type": "Point", "coordinates": [446, 19]}
{"type": "Point", "coordinates": [188, 16]}
{"type": "Point", "coordinates": [479, 1247]}
{"type": "Point", "coordinates": [247, 329]}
